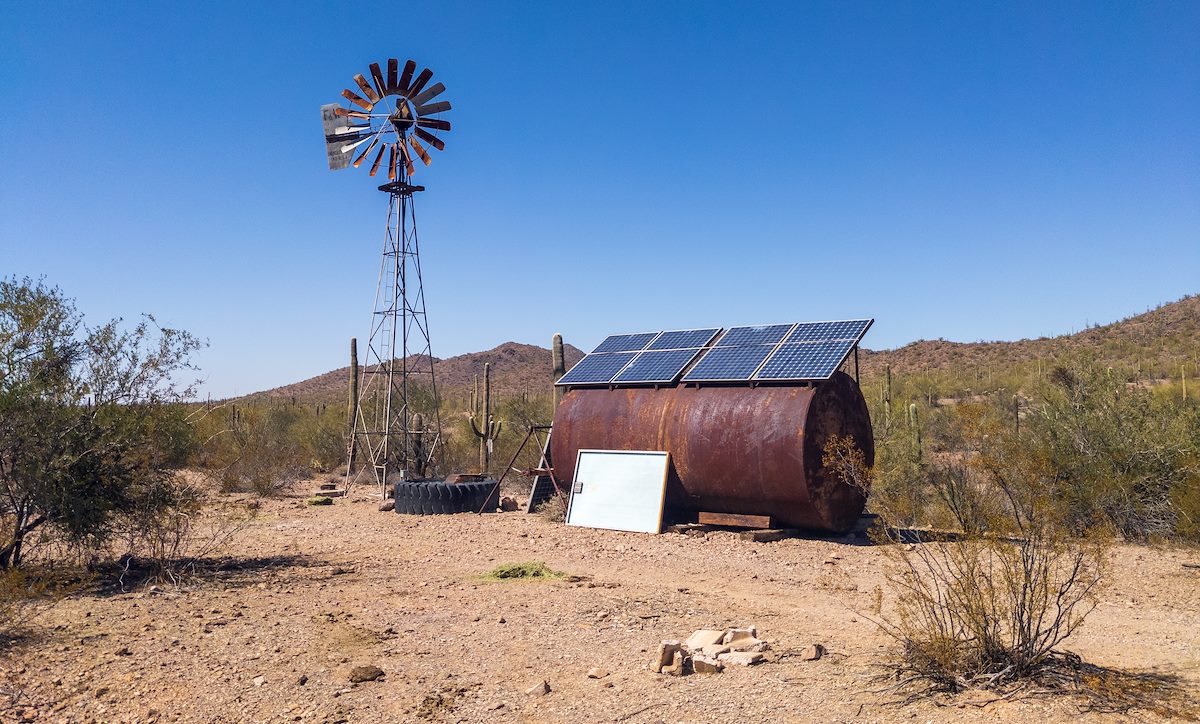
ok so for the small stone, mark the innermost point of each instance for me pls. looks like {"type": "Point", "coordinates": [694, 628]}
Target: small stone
{"type": "Point", "coordinates": [596, 673]}
{"type": "Point", "coordinates": [360, 674]}
{"type": "Point", "coordinates": [812, 653]}
{"type": "Point", "coordinates": [702, 638]}
{"type": "Point", "coordinates": [302, 680]}
{"type": "Point", "coordinates": [741, 658]}
{"type": "Point", "coordinates": [738, 634]}
{"type": "Point", "coordinates": [387, 506]}
{"type": "Point", "coordinates": [539, 689]}
{"type": "Point", "coordinates": [260, 680]}
{"type": "Point", "coordinates": [704, 665]}
{"type": "Point", "coordinates": [666, 654]}
{"type": "Point", "coordinates": [123, 651]}
{"type": "Point", "coordinates": [501, 620]}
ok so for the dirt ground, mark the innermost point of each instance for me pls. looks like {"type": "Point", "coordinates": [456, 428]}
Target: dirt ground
{"type": "Point", "coordinates": [308, 593]}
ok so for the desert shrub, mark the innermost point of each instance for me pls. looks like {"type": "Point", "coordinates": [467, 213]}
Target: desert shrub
{"type": "Point", "coordinates": [553, 509]}
{"type": "Point", "coordinates": [91, 429]}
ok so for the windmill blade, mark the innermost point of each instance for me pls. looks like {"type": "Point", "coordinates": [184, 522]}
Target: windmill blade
{"type": "Point", "coordinates": [434, 123]}
{"type": "Point", "coordinates": [353, 98]}
{"type": "Point", "coordinates": [420, 82]}
{"type": "Point", "coordinates": [374, 140]}
{"type": "Point", "coordinates": [433, 108]}
{"type": "Point", "coordinates": [428, 94]}
{"type": "Point", "coordinates": [431, 139]}
{"type": "Point", "coordinates": [377, 79]}
{"type": "Point", "coordinates": [392, 164]}
{"type": "Point", "coordinates": [367, 90]}
{"type": "Point", "coordinates": [416, 146]}
{"type": "Point", "coordinates": [342, 130]}
{"type": "Point", "coordinates": [347, 113]}
{"type": "Point", "coordinates": [406, 77]}
{"type": "Point", "coordinates": [408, 164]}
{"type": "Point", "coordinates": [351, 146]}
{"type": "Point", "coordinates": [393, 71]}
{"type": "Point", "coordinates": [378, 158]}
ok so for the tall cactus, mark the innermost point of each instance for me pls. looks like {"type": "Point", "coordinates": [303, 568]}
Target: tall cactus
{"type": "Point", "coordinates": [887, 398]}
{"type": "Point", "coordinates": [485, 427]}
{"type": "Point", "coordinates": [419, 453]}
{"type": "Point", "coordinates": [560, 366]}
{"type": "Point", "coordinates": [352, 405]}
{"type": "Point", "coordinates": [914, 426]}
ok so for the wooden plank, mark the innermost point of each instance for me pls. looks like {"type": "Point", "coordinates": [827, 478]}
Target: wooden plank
{"type": "Point", "coordinates": [736, 520]}
{"type": "Point", "coordinates": [767, 536]}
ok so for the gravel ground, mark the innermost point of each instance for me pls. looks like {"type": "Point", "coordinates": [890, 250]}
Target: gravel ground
{"type": "Point", "coordinates": [310, 593]}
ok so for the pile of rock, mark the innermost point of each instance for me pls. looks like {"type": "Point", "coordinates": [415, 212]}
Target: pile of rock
{"type": "Point", "coordinates": [709, 651]}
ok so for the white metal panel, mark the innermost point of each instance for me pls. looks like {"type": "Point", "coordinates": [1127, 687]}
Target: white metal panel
{"type": "Point", "coordinates": [619, 490]}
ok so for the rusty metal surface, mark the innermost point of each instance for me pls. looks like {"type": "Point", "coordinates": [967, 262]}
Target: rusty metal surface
{"type": "Point", "coordinates": [750, 451]}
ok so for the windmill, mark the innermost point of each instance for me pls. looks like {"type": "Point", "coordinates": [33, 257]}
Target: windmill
{"type": "Point", "coordinates": [394, 114]}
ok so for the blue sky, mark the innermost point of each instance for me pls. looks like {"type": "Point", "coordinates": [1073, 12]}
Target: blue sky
{"type": "Point", "coordinates": [959, 170]}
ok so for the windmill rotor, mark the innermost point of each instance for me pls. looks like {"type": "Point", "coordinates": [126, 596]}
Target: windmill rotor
{"type": "Point", "coordinates": [389, 111]}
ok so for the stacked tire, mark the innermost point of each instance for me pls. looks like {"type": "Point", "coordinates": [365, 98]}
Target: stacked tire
{"type": "Point", "coordinates": [437, 498]}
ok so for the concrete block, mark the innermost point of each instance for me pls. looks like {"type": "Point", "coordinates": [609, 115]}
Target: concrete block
{"type": "Point", "coordinates": [741, 658]}
{"type": "Point", "coordinates": [702, 638]}
{"type": "Point", "coordinates": [666, 654]}
{"type": "Point", "coordinates": [737, 634]}
{"type": "Point", "coordinates": [705, 665]}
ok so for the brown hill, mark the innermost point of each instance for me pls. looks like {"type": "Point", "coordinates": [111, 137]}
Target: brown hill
{"type": "Point", "coordinates": [1155, 343]}
{"type": "Point", "coordinates": [516, 368]}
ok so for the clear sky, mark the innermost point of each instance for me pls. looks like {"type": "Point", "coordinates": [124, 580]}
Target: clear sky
{"type": "Point", "coordinates": [965, 170]}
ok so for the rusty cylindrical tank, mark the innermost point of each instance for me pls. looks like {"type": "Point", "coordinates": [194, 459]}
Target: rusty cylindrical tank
{"type": "Point", "coordinates": [745, 450]}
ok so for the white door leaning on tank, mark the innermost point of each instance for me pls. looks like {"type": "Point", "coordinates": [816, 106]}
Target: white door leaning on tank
{"type": "Point", "coordinates": [619, 490]}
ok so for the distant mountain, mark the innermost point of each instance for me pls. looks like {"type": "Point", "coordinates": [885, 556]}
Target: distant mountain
{"type": "Point", "coordinates": [516, 368]}
{"type": "Point", "coordinates": [1155, 342]}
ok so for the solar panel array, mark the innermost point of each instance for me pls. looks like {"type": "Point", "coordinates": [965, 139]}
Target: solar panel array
{"type": "Point", "coordinates": [770, 353]}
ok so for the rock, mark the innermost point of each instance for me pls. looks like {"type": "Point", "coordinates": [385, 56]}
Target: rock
{"type": "Point", "coordinates": [677, 663]}
{"type": "Point", "coordinates": [666, 654]}
{"type": "Point", "coordinates": [596, 673]}
{"type": "Point", "coordinates": [501, 620]}
{"type": "Point", "coordinates": [359, 674]}
{"type": "Point", "coordinates": [387, 506]}
{"type": "Point", "coordinates": [123, 651]}
{"type": "Point", "coordinates": [705, 665]}
{"type": "Point", "coordinates": [812, 653]}
{"type": "Point", "coordinates": [302, 680]}
{"type": "Point", "coordinates": [714, 650]}
{"type": "Point", "coordinates": [508, 504]}
{"type": "Point", "coordinates": [741, 658]}
{"type": "Point", "coordinates": [748, 645]}
{"type": "Point", "coordinates": [319, 500]}
{"type": "Point", "coordinates": [738, 634]}
{"type": "Point", "coordinates": [702, 638]}
{"type": "Point", "coordinates": [540, 689]}
{"type": "Point", "coordinates": [260, 680]}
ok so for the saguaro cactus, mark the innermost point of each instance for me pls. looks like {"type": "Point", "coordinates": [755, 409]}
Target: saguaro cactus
{"type": "Point", "coordinates": [914, 426]}
{"type": "Point", "coordinates": [485, 427]}
{"type": "Point", "coordinates": [352, 406]}
{"type": "Point", "coordinates": [560, 366]}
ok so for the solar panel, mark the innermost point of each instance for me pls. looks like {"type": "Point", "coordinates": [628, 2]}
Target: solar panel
{"type": "Point", "coordinates": [658, 365]}
{"type": "Point", "coordinates": [684, 339]}
{"type": "Point", "coordinates": [625, 342]}
{"type": "Point", "coordinates": [596, 369]}
{"type": "Point", "coordinates": [749, 336]}
{"type": "Point", "coordinates": [809, 361]}
{"type": "Point", "coordinates": [822, 331]}
{"type": "Point", "coordinates": [728, 364]}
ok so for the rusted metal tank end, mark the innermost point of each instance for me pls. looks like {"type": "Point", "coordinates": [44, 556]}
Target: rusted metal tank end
{"type": "Point", "coordinates": [755, 451]}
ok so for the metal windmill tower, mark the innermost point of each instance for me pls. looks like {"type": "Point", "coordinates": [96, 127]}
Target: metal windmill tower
{"type": "Point", "coordinates": [392, 428]}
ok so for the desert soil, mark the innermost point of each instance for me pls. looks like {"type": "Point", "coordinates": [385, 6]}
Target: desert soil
{"type": "Point", "coordinates": [309, 593]}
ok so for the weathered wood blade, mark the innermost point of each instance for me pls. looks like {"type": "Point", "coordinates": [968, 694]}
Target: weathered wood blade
{"type": "Point", "coordinates": [408, 164]}
{"type": "Point", "coordinates": [393, 75]}
{"type": "Point", "coordinates": [348, 113]}
{"type": "Point", "coordinates": [358, 101]}
{"type": "Point", "coordinates": [366, 88]}
{"type": "Point", "coordinates": [431, 139]}
{"type": "Point", "coordinates": [378, 158]}
{"type": "Point", "coordinates": [406, 77]}
{"type": "Point", "coordinates": [358, 161]}
{"type": "Point", "coordinates": [435, 123]}
{"type": "Point", "coordinates": [392, 164]}
{"type": "Point", "coordinates": [428, 94]}
{"type": "Point", "coordinates": [420, 82]}
{"type": "Point", "coordinates": [431, 108]}
{"type": "Point", "coordinates": [377, 79]}
{"type": "Point", "coordinates": [416, 146]}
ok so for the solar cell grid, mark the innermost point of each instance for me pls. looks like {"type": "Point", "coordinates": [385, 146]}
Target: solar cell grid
{"type": "Point", "coordinates": [625, 342]}
{"type": "Point", "coordinates": [748, 336]}
{"type": "Point", "coordinates": [596, 368]}
{"type": "Point", "coordinates": [726, 364]}
{"type": "Point", "coordinates": [811, 361]}
{"type": "Point", "coordinates": [684, 339]}
{"type": "Point", "coordinates": [657, 365]}
{"type": "Point", "coordinates": [822, 331]}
